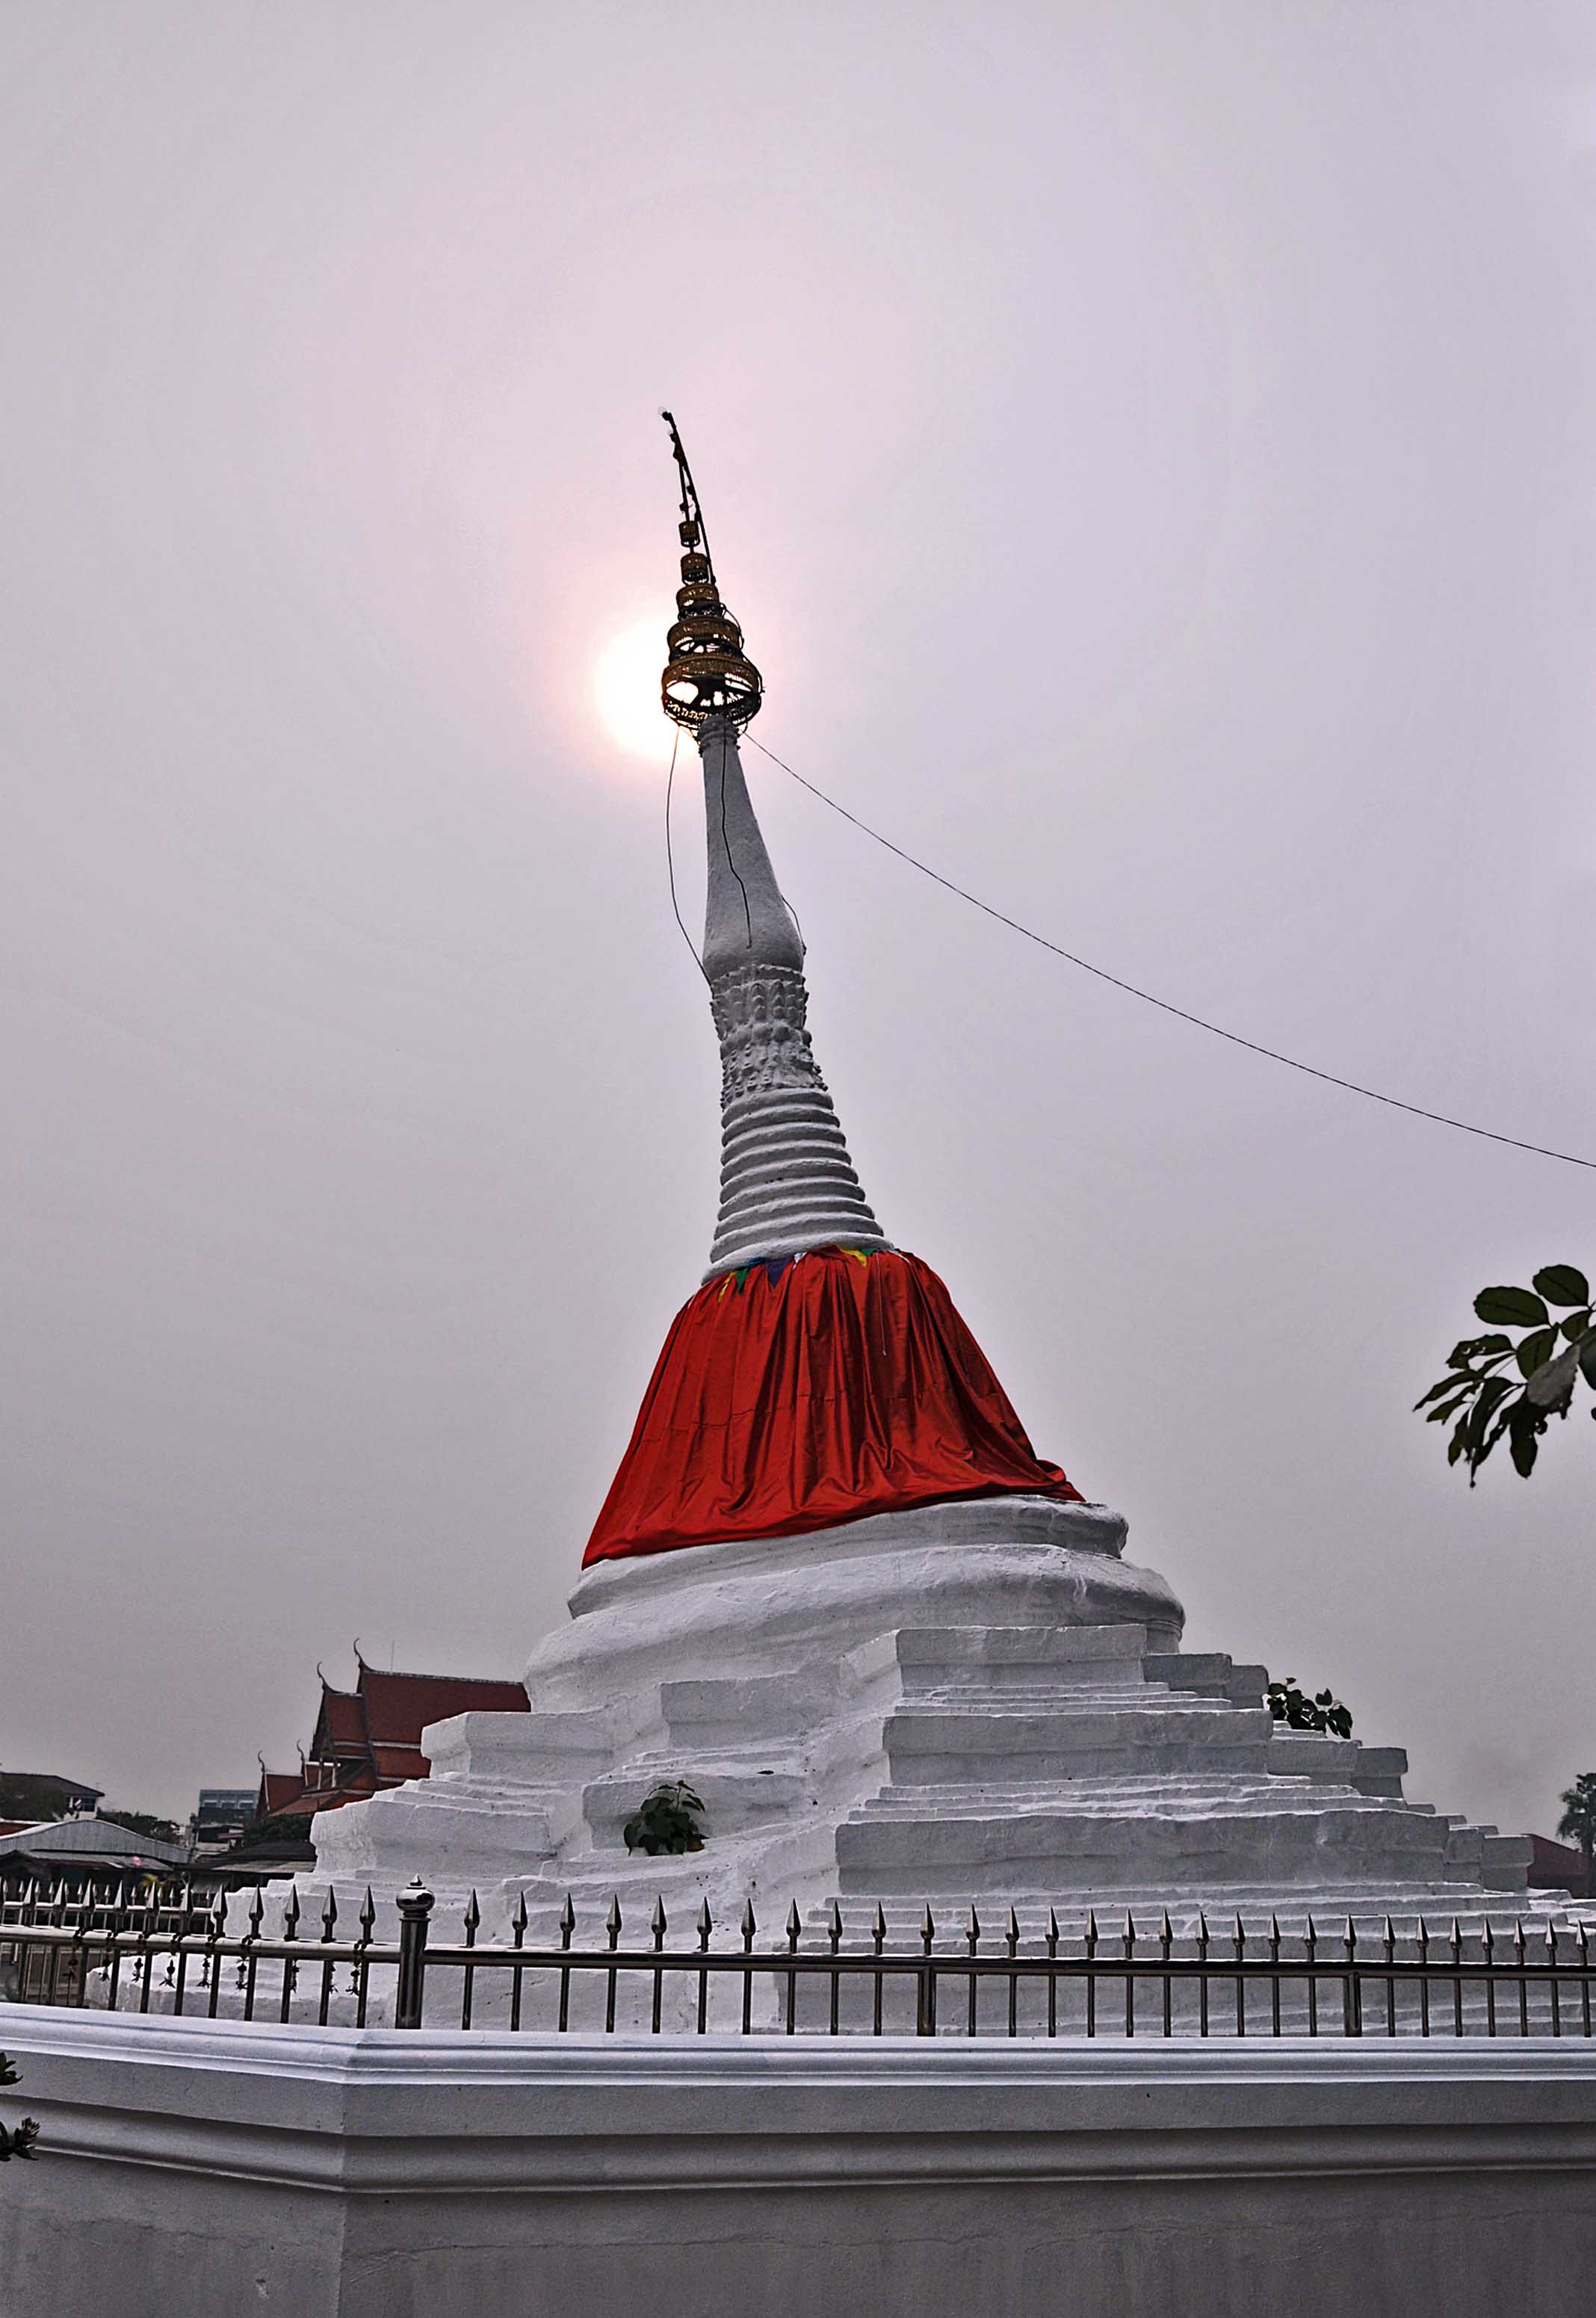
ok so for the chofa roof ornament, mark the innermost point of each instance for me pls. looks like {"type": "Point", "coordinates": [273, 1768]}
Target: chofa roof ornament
{"type": "Point", "coordinates": [708, 674]}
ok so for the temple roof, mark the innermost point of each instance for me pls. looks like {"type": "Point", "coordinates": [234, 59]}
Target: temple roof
{"type": "Point", "coordinates": [342, 1721]}
{"type": "Point", "coordinates": [306, 1806]}
{"type": "Point", "coordinates": [277, 1789]}
{"type": "Point", "coordinates": [370, 1737]}
{"type": "Point", "coordinates": [400, 1706]}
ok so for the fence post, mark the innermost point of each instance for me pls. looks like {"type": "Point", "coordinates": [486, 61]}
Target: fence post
{"type": "Point", "coordinates": [415, 1905]}
{"type": "Point", "coordinates": [925, 2008]}
{"type": "Point", "coordinates": [1353, 1989]}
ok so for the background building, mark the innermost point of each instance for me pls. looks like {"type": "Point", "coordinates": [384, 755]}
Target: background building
{"type": "Point", "coordinates": [369, 1737]}
{"type": "Point", "coordinates": [27, 1797]}
{"type": "Point", "coordinates": [221, 1816]}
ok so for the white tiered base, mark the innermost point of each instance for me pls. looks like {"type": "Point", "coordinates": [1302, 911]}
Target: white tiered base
{"type": "Point", "coordinates": [970, 1700]}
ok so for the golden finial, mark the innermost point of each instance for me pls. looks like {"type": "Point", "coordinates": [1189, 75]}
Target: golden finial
{"type": "Point", "coordinates": [708, 674]}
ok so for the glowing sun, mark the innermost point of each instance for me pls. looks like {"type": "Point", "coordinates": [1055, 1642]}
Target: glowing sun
{"type": "Point", "coordinates": [626, 689]}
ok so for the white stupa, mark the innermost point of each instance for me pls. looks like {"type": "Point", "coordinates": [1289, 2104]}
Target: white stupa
{"type": "Point", "coordinates": [896, 1654]}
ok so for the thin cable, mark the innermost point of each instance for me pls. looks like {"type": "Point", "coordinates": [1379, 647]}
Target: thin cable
{"type": "Point", "coordinates": [1270, 1054]}
{"type": "Point", "coordinates": [726, 847]}
{"type": "Point", "coordinates": [669, 855]}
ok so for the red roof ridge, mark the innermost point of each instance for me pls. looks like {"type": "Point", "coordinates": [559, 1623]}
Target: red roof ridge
{"type": "Point", "coordinates": [405, 1674]}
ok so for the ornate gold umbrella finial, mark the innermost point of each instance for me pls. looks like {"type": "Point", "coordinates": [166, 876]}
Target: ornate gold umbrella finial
{"type": "Point", "coordinates": [708, 674]}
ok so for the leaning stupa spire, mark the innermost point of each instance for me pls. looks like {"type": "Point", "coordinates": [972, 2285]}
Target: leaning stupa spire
{"type": "Point", "coordinates": [820, 1375]}
{"type": "Point", "coordinates": [787, 1183]}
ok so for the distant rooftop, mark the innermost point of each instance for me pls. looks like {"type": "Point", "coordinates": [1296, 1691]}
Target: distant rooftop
{"type": "Point", "coordinates": [369, 1737]}
{"type": "Point", "coordinates": [90, 1840]}
{"type": "Point", "coordinates": [48, 1783]}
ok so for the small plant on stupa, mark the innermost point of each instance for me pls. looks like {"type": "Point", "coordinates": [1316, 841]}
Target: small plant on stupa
{"type": "Point", "coordinates": [16, 2139]}
{"type": "Point", "coordinates": [1495, 1386]}
{"type": "Point", "coordinates": [667, 1821]}
{"type": "Point", "coordinates": [1297, 1712]}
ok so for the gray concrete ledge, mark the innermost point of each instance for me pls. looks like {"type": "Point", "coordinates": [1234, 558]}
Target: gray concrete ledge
{"type": "Point", "coordinates": [351, 2172]}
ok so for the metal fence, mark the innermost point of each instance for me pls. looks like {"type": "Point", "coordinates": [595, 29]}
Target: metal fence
{"type": "Point", "coordinates": [172, 1950]}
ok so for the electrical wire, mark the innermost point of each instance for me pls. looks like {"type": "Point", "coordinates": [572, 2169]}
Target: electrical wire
{"type": "Point", "coordinates": [726, 845]}
{"type": "Point", "coordinates": [1164, 1005]}
{"type": "Point", "coordinates": [670, 856]}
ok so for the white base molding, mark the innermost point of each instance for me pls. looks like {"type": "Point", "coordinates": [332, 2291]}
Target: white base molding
{"type": "Point", "coordinates": [192, 2168]}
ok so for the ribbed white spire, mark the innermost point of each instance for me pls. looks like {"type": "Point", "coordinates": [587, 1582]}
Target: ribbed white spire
{"type": "Point", "coordinates": [787, 1183]}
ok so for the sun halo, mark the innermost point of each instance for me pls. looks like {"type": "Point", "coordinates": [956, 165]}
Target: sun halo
{"type": "Point", "coordinates": [626, 690]}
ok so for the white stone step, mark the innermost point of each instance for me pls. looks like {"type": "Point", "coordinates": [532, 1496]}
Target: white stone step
{"type": "Point", "coordinates": [538, 1748]}
{"type": "Point", "coordinates": [1211, 1673]}
{"type": "Point", "coordinates": [1129, 1795]}
{"type": "Point", "coordinates": [747, 1710]}
{"type": "Point", "coordinates": [990, 1660]}
{"type": "Point", "coordinates": [461, 1831]}
{"type": "Point", "coordinates": [952, 1744]}
{"type": "Point", "coordinates": [1380, 1770]}
{"type": "Point", "coordinates": [1306, 1755]}
{"type": "Point", "coordinates": [1176, 1843]}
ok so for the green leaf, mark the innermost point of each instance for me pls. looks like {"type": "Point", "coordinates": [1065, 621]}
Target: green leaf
{"type": "Point", "coordinates": [1552, 1383]}
{"type": "Point", "coordinates": [1560, 1283]}
{"type": "Point", "coordinates": [1511, 1308]}
{"type": "Point", "coordinates": [1478, 1436]}
{"type": "Point", "coordinates": [1524, 1431]}
{"type": "Point", "coordinates": [1588, 1362]}
{"type": "Point", "coordinates": [1473, 1348]}
{"type": "Point", "coordinates": [1451, 1382]}
{"type": "Point", "coordinates": [1490, 1392]}
{"type": "Point", "coordinates": [1576, 1324]}
{"type": "Point", "coordinates": [1535, 1350]}
{"type": "Point", "coordinates": [1493, 1437]}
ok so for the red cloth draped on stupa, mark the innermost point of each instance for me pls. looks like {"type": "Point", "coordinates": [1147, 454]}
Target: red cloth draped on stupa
{"type": "Point", "coordinates": [792, 1396]}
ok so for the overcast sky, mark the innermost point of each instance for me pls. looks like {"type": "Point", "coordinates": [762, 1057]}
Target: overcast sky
{"type": "Point", "coordinates": [1152, 451]}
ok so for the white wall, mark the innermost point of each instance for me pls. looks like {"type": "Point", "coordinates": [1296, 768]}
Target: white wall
{"type": "Point", "coordinates": [214, 2168]}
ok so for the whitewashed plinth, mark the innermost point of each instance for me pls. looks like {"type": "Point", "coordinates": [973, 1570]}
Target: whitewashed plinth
{"type": "Point", "coordinates": [970, 1700]}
